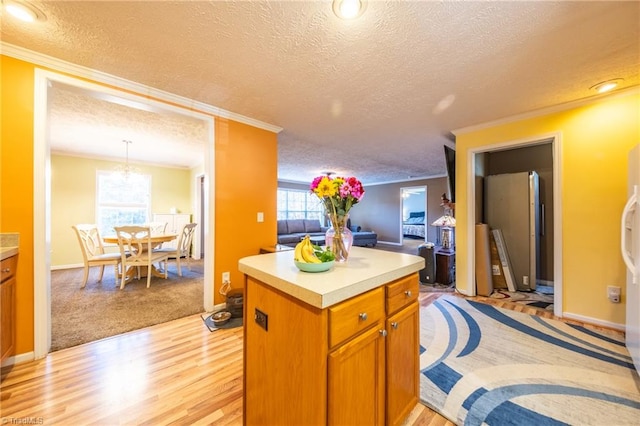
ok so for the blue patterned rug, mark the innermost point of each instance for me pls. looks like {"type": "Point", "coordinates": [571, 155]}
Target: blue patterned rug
{"type": "Point", "coordinates": [484, 365]}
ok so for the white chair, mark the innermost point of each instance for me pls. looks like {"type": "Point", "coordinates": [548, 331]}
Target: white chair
{"type": "Point", "coordinates": [93, 251]}
{"type": "Point", "coordinates": [157, 228]}
{"type": "Point", "coordinates": [136, 251]}
{"type": "Point", "coordinates": [183, 248]}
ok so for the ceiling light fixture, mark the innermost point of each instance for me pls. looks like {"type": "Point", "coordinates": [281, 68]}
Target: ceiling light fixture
{"type": "Point", "coordinates": [349, 9]}
{"type": "Point", "coordinates": [606, 86]}
{"type": "Point", "coordinates": [23, 11]}
{"type": "Point", "coordinates": [125, 170]}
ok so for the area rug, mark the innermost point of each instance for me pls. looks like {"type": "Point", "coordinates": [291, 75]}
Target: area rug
{"type": "Point", "coordinates": [484, 365]}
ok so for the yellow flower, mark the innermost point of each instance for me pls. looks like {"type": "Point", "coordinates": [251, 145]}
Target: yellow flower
{"type": "Point", "coordinates": [325, 188]}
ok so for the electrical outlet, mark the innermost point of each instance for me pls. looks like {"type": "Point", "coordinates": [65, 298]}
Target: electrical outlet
{"type": "Point", "coordinates": [226, 277]}
{"type": "Point", "coordinates": [260, 217]}
{"type": "Point", "coordinates": [613, 293]}
{"type": "Point", "coordinates": [262, 319]}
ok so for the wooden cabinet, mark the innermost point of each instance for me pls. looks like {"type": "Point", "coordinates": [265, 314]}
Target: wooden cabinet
{"type": "Point", "coordinates": [402, 364]}
{"type": "Point", "coordinates": [445, 267]}
{"type": "Point", "coordinates": [356, 391]}
{"type": "Point", "coordinates": [175, 223]}
{"type": "Point", "coordinates": [355, 362]}
{"type": "Point", "coordinates": [7, 306]}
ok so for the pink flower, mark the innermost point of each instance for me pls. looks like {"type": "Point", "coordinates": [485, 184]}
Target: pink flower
{"type": "Point", "coordinates": [315, 182]}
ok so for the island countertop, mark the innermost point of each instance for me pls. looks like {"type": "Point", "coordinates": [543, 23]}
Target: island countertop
{"type": "Point", "coordinates": [365, 269]}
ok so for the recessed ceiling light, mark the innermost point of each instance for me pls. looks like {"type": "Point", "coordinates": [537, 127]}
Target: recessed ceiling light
{"type": "Point", "coordinates": [606, 86]}
{"type": "Point", "coordinates": [349, 9]}
{"type": "Point", "coordinates": [23, 11]}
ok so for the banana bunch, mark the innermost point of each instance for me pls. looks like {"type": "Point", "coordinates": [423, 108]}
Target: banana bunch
{"type": "Point", "coordinates": [304, 252]}
{"type": "Point", "coordinates": [308, 253]}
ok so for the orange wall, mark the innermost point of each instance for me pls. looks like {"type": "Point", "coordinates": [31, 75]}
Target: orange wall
{"type": "Point", "coordinates": [16, 196]}
{"type": "Point", "coordinates": [245, 183]}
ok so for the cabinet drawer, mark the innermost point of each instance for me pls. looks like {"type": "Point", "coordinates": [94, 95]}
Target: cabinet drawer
{"type": "Point", "coordinates": [354, 315]}
{"type": "Point", "coordinates": [8, 268]}
{"type": "Point", "coordinates": [401, 292]}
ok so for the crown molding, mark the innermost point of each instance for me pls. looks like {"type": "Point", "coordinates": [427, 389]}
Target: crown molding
{"type": "Point", "coordinates": [547, 111]}
{"type": "Point", "coordinates": [59, 65]}
{"type": "Point", "coordinates": [419, 178]}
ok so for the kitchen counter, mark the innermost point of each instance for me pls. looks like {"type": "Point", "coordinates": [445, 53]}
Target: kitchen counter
{"type": "Point", "coordinates": [9, 243]}
{"type": "Point", "coordinates": [366, 269]}
{"type": "Point", "coordinates": [334, 347]}
{"type": "Point", "coordinates": [7, 252]}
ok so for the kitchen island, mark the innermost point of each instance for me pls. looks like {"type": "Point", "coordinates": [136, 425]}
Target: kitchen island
{"type": "Point", "coordinates": [335, 347]}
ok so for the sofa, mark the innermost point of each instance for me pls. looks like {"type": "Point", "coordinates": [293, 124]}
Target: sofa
{"type": "Point", "coordinates": [291, 231]}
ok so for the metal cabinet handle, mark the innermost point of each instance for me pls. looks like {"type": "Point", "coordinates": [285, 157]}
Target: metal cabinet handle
{"type": "Point", "coordinates": [7, 270]}
{"type": "Point", "coordinates": [394, 325]}
{"type": "Point", "coordinates": [363, 316]}
{"type": "Point", "coordinates": [408, 293]}
{"type": "Point", "coordinates": [383, 333]}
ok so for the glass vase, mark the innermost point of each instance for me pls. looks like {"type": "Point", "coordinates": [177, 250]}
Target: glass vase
{"type": "Point", "coordinates": [339, 239]}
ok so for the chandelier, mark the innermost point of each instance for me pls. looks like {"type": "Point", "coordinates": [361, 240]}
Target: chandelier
{"type": "Point", "coordinates": [126, 170]}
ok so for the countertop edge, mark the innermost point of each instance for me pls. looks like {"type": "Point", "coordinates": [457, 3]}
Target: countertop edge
{"type": "Point", "coordinates": [324, 300]}
{"type": "Point", "coordinates": [7, 252]}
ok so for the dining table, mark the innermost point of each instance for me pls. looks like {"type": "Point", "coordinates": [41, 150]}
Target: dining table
{"type": "Point", "coordinates": [156, 240]}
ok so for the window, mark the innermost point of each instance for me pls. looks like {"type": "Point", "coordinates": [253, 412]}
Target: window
{"type": "Point", "coordinates": [120, 201]}
{"type": "Point", "coordinates": [299, 204]}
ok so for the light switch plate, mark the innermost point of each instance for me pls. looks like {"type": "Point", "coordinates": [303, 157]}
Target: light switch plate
{"type": "Point", "coordinates": [260, 217]}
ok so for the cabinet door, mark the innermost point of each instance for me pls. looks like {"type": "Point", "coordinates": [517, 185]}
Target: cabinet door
{"type": "Point", "coordinates": [402, 364]}
{"type": "Point", "coordinates": [7, 318]}
{"type": "Point", "coordinates": [356, 380]}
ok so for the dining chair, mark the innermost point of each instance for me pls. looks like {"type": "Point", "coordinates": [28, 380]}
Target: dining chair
{"type": "Point", "coordinates": [183, 247]}
{"type": "Point", "coordinates": [157, 228]}
{"type": "Point", "coordinates": [136, 251]}
{"type": "Point", "coordinates": [93, 251]}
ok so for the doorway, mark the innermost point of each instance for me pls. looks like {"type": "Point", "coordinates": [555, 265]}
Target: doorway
{"type": "Point", "coordinates": [413, 215]}
{"type": "Point", "coordinates": [479, 159]}
{"type": "Point", "coordinates": [42, 193]}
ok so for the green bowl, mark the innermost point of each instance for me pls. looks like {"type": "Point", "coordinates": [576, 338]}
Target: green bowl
{"type": "Point", "coordinates": [314, 267]}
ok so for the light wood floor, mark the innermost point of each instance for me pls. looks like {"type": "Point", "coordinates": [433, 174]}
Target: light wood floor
{"type": "Point", "coordinates": [173, 373]}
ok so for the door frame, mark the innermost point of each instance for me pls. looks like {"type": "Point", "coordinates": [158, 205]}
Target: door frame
{"type": "Point", "coordinates": [426, 213]}
{"type": "Point", "coordinates": [556, 141]}
{"type": "Point", "coordinates": [42, 193]}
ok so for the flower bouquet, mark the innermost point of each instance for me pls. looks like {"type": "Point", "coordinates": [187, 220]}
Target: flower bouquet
{"type": "Point", "coordinates": [338, 196]}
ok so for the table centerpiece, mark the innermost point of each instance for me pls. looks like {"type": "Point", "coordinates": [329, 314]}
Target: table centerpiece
{"type": "Point", "coordinates": [338, 196]}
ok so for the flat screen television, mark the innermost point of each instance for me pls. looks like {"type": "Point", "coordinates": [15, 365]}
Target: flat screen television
{"type": "Point", "coordinates": [450, 158]}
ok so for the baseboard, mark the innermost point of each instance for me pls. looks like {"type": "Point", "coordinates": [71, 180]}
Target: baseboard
{"type": "Point", "coordinates": [218, 307]}
{"type": "Point", "coordinates": [545, 283]}
{"type": "Point", "coordinates": [594, 321]}
{"type": "Point", "coordinates": [390, 243]}
{"type": "Point", "coordinates": [18, 359]}
{"type": "Point", "coordinates": [70, 266]}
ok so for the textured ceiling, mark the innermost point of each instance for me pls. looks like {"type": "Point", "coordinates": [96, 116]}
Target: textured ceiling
{"type": "Point", "coordinates": [376, 98]}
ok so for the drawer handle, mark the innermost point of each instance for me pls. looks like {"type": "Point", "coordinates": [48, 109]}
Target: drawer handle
{"type": "Point", "coordinates": [362, 316]}
{"type": "Point", "coordinates": [7, 270]}
{"type": "Point", "coordinates": [408, 293]}
{"type": "Point", "coordinates": [383, 333]}
{"type": "Point", "coordinates": [394, 325]}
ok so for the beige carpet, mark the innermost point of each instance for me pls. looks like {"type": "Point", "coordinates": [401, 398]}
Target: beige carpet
{"type": "Point", "coordinates": [80, 315]}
